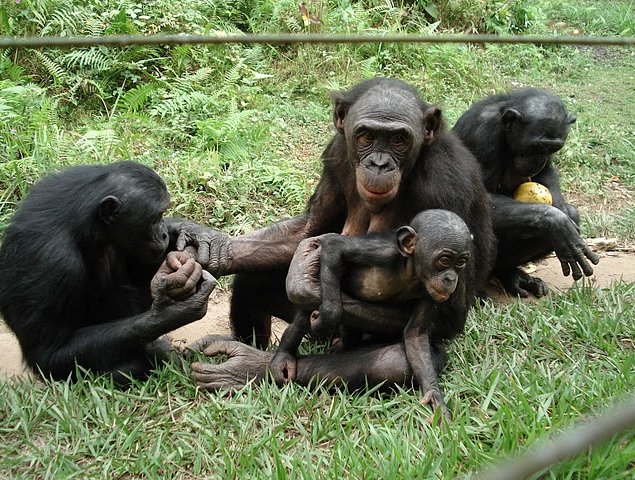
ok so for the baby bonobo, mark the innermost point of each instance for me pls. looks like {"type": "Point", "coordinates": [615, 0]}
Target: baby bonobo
{"type": "Point", "coordinates": [422, 262]}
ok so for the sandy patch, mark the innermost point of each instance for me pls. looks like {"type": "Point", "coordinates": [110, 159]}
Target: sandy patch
{"type": "Point", "coordinates": [613, 267]}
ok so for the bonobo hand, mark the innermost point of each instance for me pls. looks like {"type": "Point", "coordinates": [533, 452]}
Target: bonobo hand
{"type": "Point", "coordinates": [283, 367]}
{"type": "Point", "coordinates": [570, 249]}
{"type": "Point", "coordinates": [176, 299]}
{"type": "Point", "coordinates": [213, 246]}
{"type": "Point", "coordinates": [181, 273]}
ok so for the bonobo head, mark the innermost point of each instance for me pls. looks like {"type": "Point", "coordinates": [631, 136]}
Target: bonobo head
{"type": "Point", "coordinates": [536, 125]}
{"type": "Point", "coordinates": [385, 125]}
{"type": "Point", "coordinates": [131, 208]}
{"type": "Point", "coordinates": [440, 244]}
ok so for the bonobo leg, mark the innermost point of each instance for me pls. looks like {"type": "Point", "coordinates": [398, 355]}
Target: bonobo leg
{"type": "Point", "coordinates": [366, 366]}
{"type": "Point", "coordinates": [255, 298]}
{"type": "Point", "coordinates": [419, 353]}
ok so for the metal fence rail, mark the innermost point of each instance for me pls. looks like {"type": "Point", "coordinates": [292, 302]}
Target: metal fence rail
{"type": "Point", "coordinates": [283, 38]}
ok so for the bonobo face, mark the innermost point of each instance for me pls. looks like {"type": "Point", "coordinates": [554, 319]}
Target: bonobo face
{"type": "Point", "coordinates": [135, 223]}
{"type": "Point", "coordinates": [441, 251]}
{"type": "Point", "coordinates": [385, 130]}
{"type": "Point", "coordinates": [536, 130]}
{"type": "Point", "coordinates": [440, 271]}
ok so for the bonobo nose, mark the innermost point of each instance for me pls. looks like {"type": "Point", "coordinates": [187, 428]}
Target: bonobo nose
{"type": "Point", "coordinates": [382, 162]}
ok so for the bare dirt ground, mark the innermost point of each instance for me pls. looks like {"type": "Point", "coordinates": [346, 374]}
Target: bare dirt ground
{"type": "Point", "coordinates": [613, 267]}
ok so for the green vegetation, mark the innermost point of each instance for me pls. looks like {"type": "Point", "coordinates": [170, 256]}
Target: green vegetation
{"type": "Point", "coordinates": [236, 131]}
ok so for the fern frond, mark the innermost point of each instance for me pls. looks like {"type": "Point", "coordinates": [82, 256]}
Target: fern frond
{"type": "Point", "coordinates": [137, 97]}
{"type": "Point", "coordinates": [53, 68]}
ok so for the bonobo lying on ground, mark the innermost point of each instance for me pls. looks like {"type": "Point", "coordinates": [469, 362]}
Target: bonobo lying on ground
{"type": "Point", "coordinates": [84, 277]}
{"type": "Point", "coordinates": [421, 263]}
{"type": "Point", "coordinates": [389, 159]}
{"type": "Point", "coordinates": [514, 136]}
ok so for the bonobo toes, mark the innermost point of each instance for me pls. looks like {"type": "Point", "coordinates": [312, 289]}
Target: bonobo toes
{"type": "Point", "coordinates": [244, 365]}
{"type": "Point", "coordinates": [517, 282]}
{"type": "Point", "coordinates": [434, 398]}
{"type": "Point", "coordinates": [283, 367]}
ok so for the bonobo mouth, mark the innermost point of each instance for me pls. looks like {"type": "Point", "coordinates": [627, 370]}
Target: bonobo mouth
{"type": "Point", "coordinates": [379, 194]}
{"type": "Point", "coordinates": [436, 295]}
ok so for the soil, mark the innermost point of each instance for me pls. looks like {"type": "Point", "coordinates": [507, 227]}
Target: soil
{"type": "Point", "coordinates": [614, 266]}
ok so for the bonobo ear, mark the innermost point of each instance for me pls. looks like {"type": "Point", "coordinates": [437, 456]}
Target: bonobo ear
{"type": "Point", "coordinates": [406, 239]}
{"type": "Point", "coordinates": [571, 119]}
{"type": "Point", "coordinates": [340, 110]}
{"type": "Point", "coordinates": [108, 209]}
{"type": "Point", "coordinates": [510, 115]}
{"type": "Point", "coordinates": [432, 123]}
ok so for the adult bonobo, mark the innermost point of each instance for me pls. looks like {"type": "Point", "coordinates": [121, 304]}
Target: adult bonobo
{"type": "Point", "coordinates": [84, 277]}
{"type": "Point", "coordinates": [421, 263]}
{"type": "Point", "coordinates": [389, 159]}
{"type": "Point", "coordinates": [514, 136]}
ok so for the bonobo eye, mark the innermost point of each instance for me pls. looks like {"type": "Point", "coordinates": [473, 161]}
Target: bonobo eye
{"type": "Point", "coordinates": [365, 138]}
{"type": "Point", "coordinates": [399, 142]}
{"type": "Point", "coordinates": [444, 261]}
{"type": "Point", "coordinates": [460, 264]}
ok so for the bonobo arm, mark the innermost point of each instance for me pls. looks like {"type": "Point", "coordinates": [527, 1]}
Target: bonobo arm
{"type": "Point", "coordinates": [419, 354]}
{"type": "Point", "coordinates": [107, 347]}
{"type": "Point", "coordinates": [553, 226]}
{"type": "Point", "coordinates": [269, 247]}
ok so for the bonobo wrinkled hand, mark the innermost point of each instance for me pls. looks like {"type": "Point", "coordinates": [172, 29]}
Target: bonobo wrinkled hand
{"type": "Point", "coordinates": [177, 297]}
{"type": "Point", "coordinates": [571, 249]}
{"type": "Point", "coordinates": [182, 273]}
{"type": "Point", "coordinates": [213, 247]}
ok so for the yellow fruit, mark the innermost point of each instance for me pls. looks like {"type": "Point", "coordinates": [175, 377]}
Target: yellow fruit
{"type": "Point", "coordinates": [532, 192]}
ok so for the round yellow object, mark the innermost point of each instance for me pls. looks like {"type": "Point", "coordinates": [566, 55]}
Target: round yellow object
{"type": "Point", "coordinates": [532, 192]}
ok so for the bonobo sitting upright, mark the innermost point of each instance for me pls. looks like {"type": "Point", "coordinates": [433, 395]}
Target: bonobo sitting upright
{"type": "Point", "coordinates": [421, 263]}
{"type": "Point", "coordinates": [390, 157]}
{"type": "Point", "coordinates": [84, 277]}
{"type": "Point", "coordinates": [514, 136]}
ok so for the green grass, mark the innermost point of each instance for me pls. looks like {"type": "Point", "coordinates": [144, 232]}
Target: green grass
{"type": "Point", "coordinates": [520, 373]}
{"type": "Point", "coordinates": [236, 131]}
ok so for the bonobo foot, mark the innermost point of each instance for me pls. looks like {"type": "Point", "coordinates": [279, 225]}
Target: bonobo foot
{"type": "Point", "coordinates": [283, 367]}
{"type": "Point", "coordinates": [434, 398]}
{"type": "Point", "coordinates": [517, 282]}
{"type": "Point", "coordinates": [244, 365]}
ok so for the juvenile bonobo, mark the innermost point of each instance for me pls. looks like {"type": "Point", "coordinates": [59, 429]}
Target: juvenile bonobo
{"type": "Point", "coordinates": [84, 276]}
{"type": "Point", "coordinates": [514, 136]}
{"type": "Point", "coordinates": [421, 262]}
{"type": "Point", "coordinates": [389, 159]}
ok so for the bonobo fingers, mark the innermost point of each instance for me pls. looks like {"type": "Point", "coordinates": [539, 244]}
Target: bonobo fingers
{"type": "Point", "coordinates": [177, 259]}
{"type": "Point", "coordinates": [182, 283]}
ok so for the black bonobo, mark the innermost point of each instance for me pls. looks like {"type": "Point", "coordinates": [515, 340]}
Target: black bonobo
{"type": "Point", "coordinates": [390, 158]}
{"type": "Point", "coordinates": [421, 263]}
{"type": "Point", "coordinates": [514, 136]}
{"type": "Point", "coordinates": [84, 275]}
